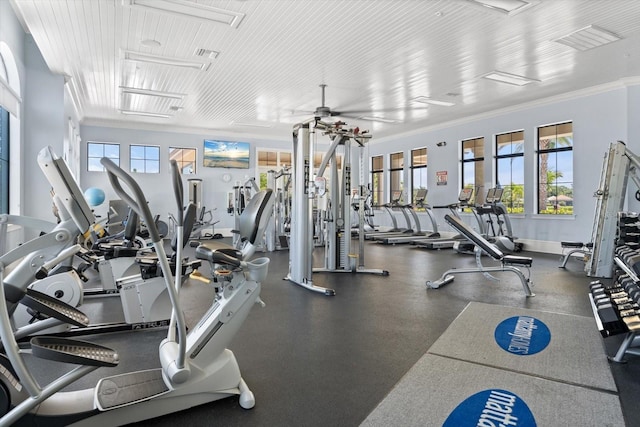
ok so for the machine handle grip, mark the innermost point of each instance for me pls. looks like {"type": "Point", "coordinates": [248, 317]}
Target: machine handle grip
{"type": "Point", "coordinates": [178, 191]}
{"type": "Point", "coordinates": [137, 202]}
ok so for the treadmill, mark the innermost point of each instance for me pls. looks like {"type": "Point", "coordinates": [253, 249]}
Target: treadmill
{"type": "Point", "coordinates": [421, 196]}
{"type": "Point", "coordinates": [395, 230]}
{"type": "Point", "coordinates": [447, 242]}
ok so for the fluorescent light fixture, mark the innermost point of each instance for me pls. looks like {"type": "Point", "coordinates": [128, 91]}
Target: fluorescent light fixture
{"type": "Point", "coordinates": [512, 79]}
{"type": "Point", "coordinates": [251, 124]}
{"type": "Point", "coordinates": [508, 7]}
{"type": "Point", "coordinates": [378, 119]}
{"type": "Point", "coordinates": [163, 60]}
{"type": "Point", "coordinates": [427, 100]}
{"type": "Point", "coordinates": [150, 92]}
{"type": "Point", "coordinates": [190, 9]}
{"type": "Point", "coordinates": [145, 114]}
{"type": "Point", "coordinates": [588, 38]}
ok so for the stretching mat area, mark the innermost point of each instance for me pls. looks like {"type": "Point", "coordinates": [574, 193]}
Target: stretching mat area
{"type": "Point", "coordinates": [555, 346]}
{"type": "Point", "coordinates": [438, 391]}
{"type": "Point", "coordinates": [497, 365]}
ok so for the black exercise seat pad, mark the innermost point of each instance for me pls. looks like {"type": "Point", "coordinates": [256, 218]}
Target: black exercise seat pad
{"type": "Point", "coordinates": [219, 253]}
{"type": "Point", "coordinates": [571, 244]}
{"type": "Point", "coordinates": [517, 260]}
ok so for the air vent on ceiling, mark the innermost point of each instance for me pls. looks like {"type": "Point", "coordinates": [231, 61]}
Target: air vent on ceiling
{"type": "Point", "coordinates": [206, 53]}
{"type": "Point", "coordinates": [588, 37]}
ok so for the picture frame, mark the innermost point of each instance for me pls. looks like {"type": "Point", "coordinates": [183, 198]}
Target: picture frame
{"type": "Point", "coordinates": [226, 154]}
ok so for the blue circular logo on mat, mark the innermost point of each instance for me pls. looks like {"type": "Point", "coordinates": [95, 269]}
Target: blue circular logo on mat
{"type": "Point", "coordinates": [490, 408]}
{"type": "Point", "coordinates": [522, 335]}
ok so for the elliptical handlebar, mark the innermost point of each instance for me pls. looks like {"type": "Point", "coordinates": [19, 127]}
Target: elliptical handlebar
{"type": "Point", "coordinates": [178, 191]}
{"type": "Point", "coordinates": [137, 202]}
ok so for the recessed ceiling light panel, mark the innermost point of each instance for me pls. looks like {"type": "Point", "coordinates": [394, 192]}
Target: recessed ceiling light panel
{"type": "Point", "coordinates": [250, 124]}
{"type": "Point", "coordinates": [163, 60]}
{"type": "Point", "coordinates": [191, 9]}
{"type": "Point", "coordinates": [588, 38]}
{"type": "Point", "coordinates": [378, 119]}
{"type": "Point", "coordinates": [149, 92]}
{"type": "Point", "coordinates": [507, 7]}
{"type": "Point", "coordinates": [512, 79]}
{"type": "Point", "coordinates": [145, 114]}
{"type": "Point", "coordinates": [427, 100]}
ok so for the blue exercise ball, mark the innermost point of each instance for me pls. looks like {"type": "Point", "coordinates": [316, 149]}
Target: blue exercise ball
{"type": "Point", "coordinates": [94, 196]}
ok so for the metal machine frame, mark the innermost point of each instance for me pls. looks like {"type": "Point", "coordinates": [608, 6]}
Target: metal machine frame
{"type": "Point", "coordinates": [308, 187]}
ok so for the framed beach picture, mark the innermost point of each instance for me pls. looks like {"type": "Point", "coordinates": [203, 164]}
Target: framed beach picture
{"type": "Point", "coordinates": [226, 154]}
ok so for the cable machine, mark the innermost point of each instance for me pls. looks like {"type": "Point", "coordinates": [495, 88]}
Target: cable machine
{"type": "Point", "coordinates": [336, 198]}
{"type": "Point", "coordinates": [619, 165]}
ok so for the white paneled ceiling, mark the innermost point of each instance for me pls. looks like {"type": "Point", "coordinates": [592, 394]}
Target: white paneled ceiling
{"type": "Point", "coordinates": [259, 73]}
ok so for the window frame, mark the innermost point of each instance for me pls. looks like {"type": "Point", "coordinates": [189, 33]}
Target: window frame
{"type": "Point", "coordinates": [377, 181]}
{"type": "Point", "coordinates": [116, 160]}
{"type": "Point", "coordinates": [415, 167]}
{"type": "Point", "coordinates": [475, 161]}
{"type": "Point", "coordinates": [545, 151]}
{"type": "Point", "coordinates": [396, 173]}
{"type": "Point", "coordinates": [5, 160]}
{"type": "Point", "coordinates": [144, 159]}
{"type": "Point", "coordinates": [508, 199]}
{"type": "Point", "coordinates": [277, 164]}
{"type": "Point", "coordinates": [182, 163]}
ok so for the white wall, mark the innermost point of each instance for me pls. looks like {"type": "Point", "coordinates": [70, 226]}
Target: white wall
{"type": "Point", "coordinates": [44, 120]}
{"type": "Point", "coordinates": [598, 119]}
{"type": "Point", "coordinates": [157, 187]}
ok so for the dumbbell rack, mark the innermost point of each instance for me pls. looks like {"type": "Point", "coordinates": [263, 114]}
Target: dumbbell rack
{"type": "Point", "coordinates": [616, 307]}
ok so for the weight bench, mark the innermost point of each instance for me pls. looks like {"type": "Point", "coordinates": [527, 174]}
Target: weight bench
{"type": "Point", "coordinates": [508, 263]}
{"type": "Point", "coordinates": [574, 248]}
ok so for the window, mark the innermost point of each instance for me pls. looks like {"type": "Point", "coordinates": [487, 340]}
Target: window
{"type": "Point", "coordinates": [98, 150]}
{"type": "Point", "coordinates": [510, 169]}
{"type": "Point", "coordinates": [555, 169]}
{"type": "Point", "coordinates": [144, 159]}
{"type": "Point", "coordinates": [186, 159]}
{"type": "Point", "coordinates": [377, 180]}
{"type": "Point", "coordinates": [396, 176]}
{"type": "Point", "coordinates": [4, 161]}
{"type": "Point", "coordinates": [271, 160]}
{"type": "Point", "coordinates": [473, 163]}
{"type": "Point", "coordinates": [418, 172]}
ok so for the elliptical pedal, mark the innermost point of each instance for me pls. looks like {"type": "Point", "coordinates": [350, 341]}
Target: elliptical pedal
{"type": "Point", "coordinates": [127, 389]}
{"type": "Point", "coordinates": [73, 351]}
{"type": "Point", "coordinates": [53, 307]}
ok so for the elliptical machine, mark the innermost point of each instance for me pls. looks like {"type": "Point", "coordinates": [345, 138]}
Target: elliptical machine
{"type": "Point", "coordinates": [196, 367]}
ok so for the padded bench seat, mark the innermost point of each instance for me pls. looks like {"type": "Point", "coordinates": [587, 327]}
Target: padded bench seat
{"type": "Point", "coordinates": [571, 244]}
{"type": "Point", "coordinates": [218, 252]}
{"type": "Point", "coordinates": [517, 260]}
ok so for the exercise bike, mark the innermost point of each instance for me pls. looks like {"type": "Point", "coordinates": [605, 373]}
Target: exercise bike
{"type": "Point", "coordinates": [196, 367]}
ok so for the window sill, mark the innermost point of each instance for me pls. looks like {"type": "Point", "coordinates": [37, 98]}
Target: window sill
{"type": "Point", "coordinates": [549, 216]}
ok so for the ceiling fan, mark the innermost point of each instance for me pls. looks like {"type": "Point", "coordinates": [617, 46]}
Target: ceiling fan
{"type": "Point", "coordinates": [325, 111]}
